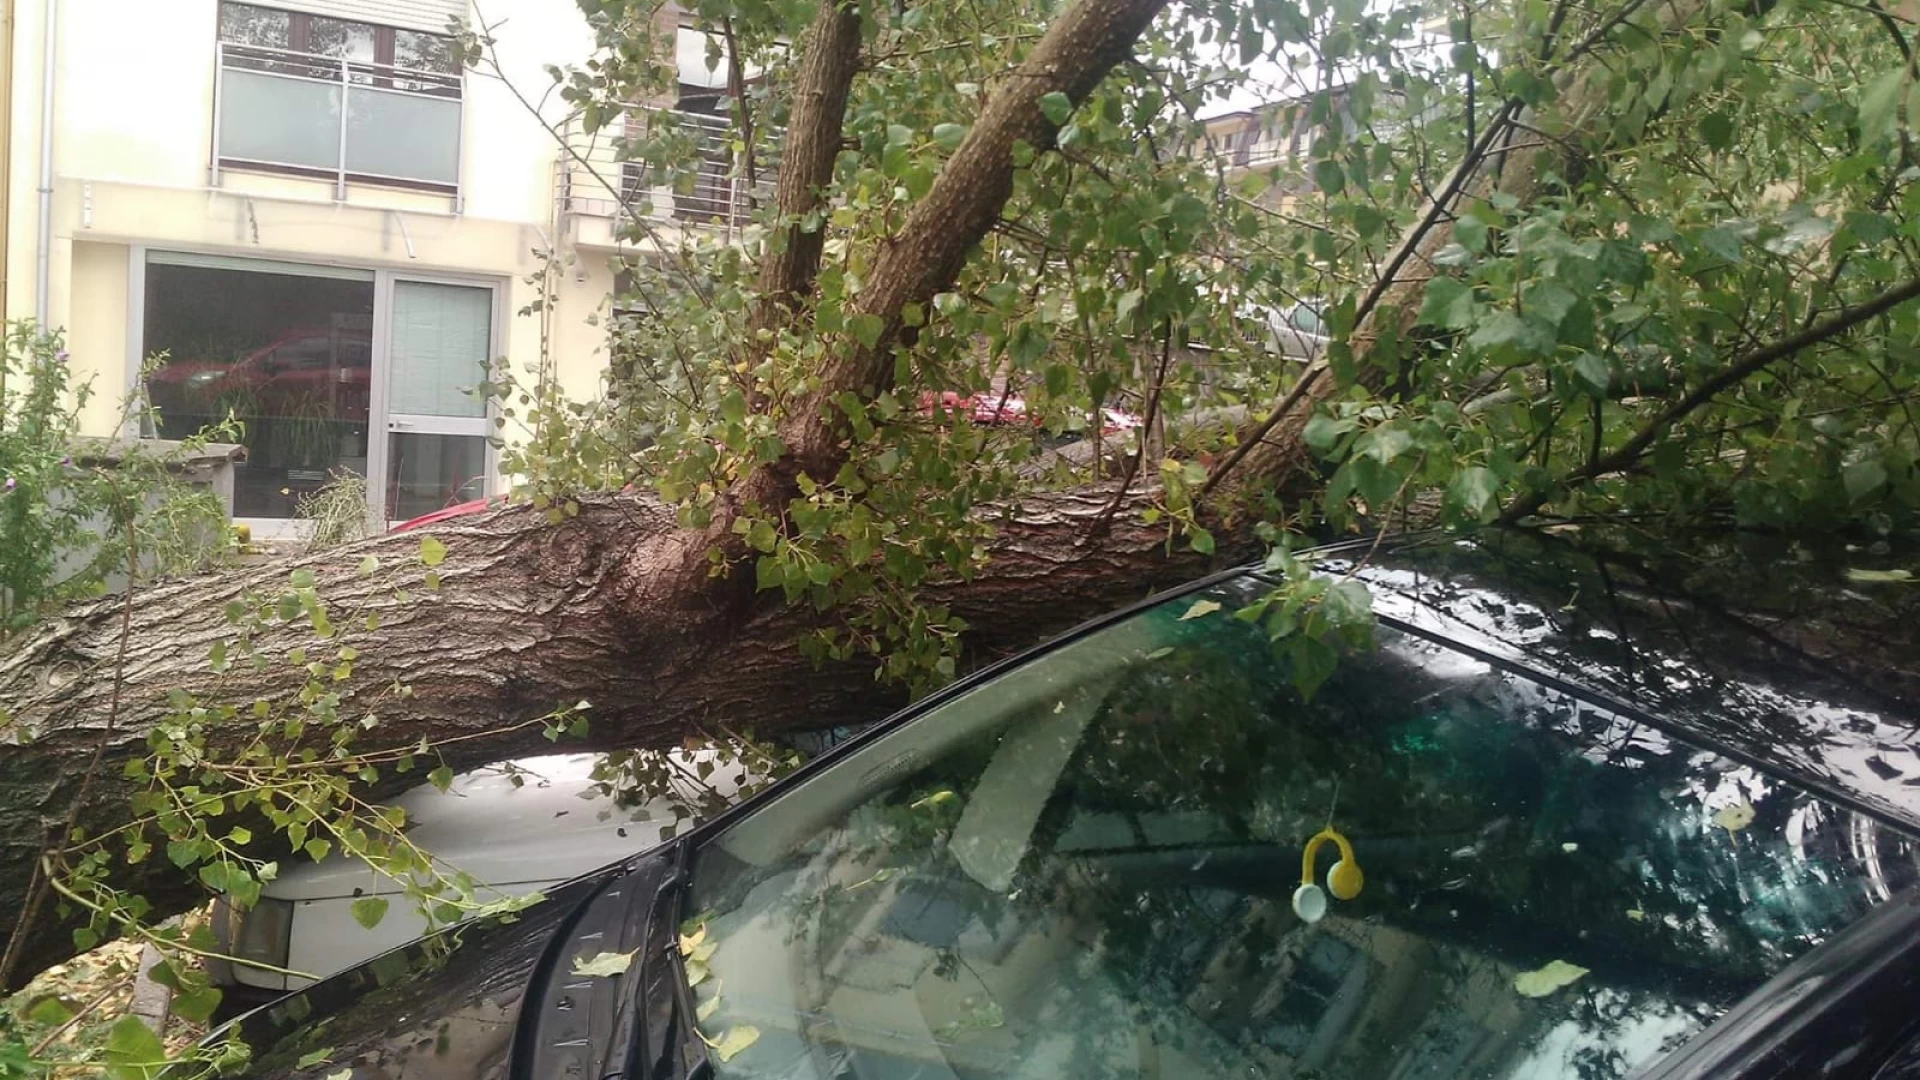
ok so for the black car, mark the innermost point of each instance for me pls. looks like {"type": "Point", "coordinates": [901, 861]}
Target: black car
{"type": "Point", "coordinates": [1567, 818]}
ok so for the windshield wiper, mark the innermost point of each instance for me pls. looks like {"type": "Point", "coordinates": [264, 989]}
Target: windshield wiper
{"type": "Point", "coordinates": [671, 1044]}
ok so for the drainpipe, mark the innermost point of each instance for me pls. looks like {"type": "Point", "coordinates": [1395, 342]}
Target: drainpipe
{"type": "Point", "coordinates": [7, 17]}
{"type": "Point", "coordinates": [43, 253]}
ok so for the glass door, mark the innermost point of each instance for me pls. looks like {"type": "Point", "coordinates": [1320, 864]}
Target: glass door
{"type": "Point", "coordinates": [440, 338]}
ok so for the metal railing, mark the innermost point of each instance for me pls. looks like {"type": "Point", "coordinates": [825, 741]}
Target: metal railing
{"type": "Point", "coordinates": [711, 187]}
{"type": "Point", "coordinates": [330, 117]}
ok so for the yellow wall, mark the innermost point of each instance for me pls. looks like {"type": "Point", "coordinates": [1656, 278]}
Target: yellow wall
{"type": "Point", "coordinates": [97, 331]}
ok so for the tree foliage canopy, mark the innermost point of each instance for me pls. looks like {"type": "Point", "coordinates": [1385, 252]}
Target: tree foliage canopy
{"type": "Point", "coordinates": [1639, 263]}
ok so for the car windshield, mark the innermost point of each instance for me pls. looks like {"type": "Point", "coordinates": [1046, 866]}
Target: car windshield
{"type": "Point", "coordinates": [1090, 866]}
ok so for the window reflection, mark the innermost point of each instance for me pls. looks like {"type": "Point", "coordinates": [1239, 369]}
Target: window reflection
{"type": "Point", "coordinates": [285, 350]}
{"type": "Point", "coordinates": [1084, 869]}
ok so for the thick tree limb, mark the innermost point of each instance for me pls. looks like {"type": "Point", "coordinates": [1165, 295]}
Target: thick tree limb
{"type": "Point", "coordinates": [829, 60]}
{"type": "Point", "coordinates": [931, 247]}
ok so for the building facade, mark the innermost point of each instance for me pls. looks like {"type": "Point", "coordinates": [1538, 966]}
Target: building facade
{"type": "Point", "coordinates": [307, 214]}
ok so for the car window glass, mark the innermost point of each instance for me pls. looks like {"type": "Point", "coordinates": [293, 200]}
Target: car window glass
{"type": "Point", "coordinates": [1088, 867]}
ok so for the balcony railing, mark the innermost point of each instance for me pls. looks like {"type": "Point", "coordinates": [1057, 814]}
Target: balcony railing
{"type": "Point", "coordinates": [714, 191]}
{"type": "Point", "coordinates": [343, 120]}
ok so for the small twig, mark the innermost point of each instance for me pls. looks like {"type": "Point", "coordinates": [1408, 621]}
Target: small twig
{"type": "Point", "coordinates": [99, 999]}
{"type": "Point", "coordinates": [1105, 520]}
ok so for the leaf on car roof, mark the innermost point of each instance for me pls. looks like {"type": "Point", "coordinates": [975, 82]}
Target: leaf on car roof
{"type": "Point", "coordinates": [1199, 608]}
{"type": "Point", "coordinates": [604, 965]}
{"type": "Point", "coordinates": [1556, 974]}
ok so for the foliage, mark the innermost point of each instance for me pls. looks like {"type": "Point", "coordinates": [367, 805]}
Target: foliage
{"type": "Point", "coordinates": [71, 509]}
{"type": "Point", "coordinates": [1647, 197]}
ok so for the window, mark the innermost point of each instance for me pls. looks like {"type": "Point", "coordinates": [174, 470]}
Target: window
{"type": "Point", "coordinates": [1087, 867]}
{"type": "Point", "coordinates": [290, 351]}
{"type": "Point", "coordinates": [328, 97]}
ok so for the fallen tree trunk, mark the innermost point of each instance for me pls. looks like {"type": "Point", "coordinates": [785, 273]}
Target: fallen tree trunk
{"type": "Point", "coordinates": [528, 617]}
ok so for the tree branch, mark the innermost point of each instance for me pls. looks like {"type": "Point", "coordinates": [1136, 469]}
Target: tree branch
{"type": "Point", "coordinates": [931, 248]}
{"type": "Point", "coordinates": [1743, 367]}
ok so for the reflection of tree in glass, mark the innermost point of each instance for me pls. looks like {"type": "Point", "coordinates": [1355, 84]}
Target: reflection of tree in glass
{"type": "Point", "coordinates": [1501, 825]}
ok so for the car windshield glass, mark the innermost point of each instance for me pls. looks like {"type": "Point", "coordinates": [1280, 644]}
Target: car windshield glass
{"type": "Point", "coordinates": [1091, 866]}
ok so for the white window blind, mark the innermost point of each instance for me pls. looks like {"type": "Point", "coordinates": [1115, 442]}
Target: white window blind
{"type": "Point", "coordinates": [428, 15]}
{"type": "Point", "coordinates": [442, 338]}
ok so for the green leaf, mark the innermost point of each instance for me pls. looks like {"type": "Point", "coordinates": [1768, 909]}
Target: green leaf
{"type": "Point", "coordinates": [1449, 304]}
{"type": "Point", "coordinates": [302, 578]}
{"type": "Point", "coordinates": [197, 1005]}
{"type": "Point", "coordinates": [369, 910]}
{"type": "Point", "coordinates": [1328, 176]}
{"type": "Point", "coordinates": [1470, 232]}
{"type": "Point", "coordinates": [1863, 478]}
{"type": "Point", "coordinates": [866, 329]}
{"type": "Point", "coordinates": [1471, 494]}
{"type": "Point", "coordinates": [733, 407]}
{"type": "Point", "coordinates": [369, 565]}
{"type": "Point", "coordinates": [441, 778]}
{"type": "Point", "coordinates": [134, 1052]}
{"type": "Point", "coordinates": [1716, 129]}
{"type": "Point", "coordinates": [432, 551]}
{"type": "Point", "coordinates": [314, 1057]}
{"type": "Point", "coordinates": [1593, 373]}
{"type": "Point", "coordinates": [1880, 103]}
{"type": "Point", "coordinates": [1878, 577]}
{"type": "Point", "coordinates": [1201, 540]}
{"type": "Point", "coordinates": [1056, 107]}
{"type": "Point", "coordinates": [949, 136]}
{"type": "Point", "coordinates": [50, 1011]}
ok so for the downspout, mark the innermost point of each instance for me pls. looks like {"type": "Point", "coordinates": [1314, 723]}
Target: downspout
{"type": "Point", "coordinates": [7, 18]}
{"type": "Point", "coordinates": [43, 253]}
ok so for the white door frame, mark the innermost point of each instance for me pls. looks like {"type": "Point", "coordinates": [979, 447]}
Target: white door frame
{"type": "Point", "coordinates": [379, 434]}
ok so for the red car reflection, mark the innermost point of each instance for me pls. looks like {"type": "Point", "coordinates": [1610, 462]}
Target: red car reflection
{"type": "Point", "coordinates": [305, 373]}
{"type": "Point", "coordinates": [1007, 410]}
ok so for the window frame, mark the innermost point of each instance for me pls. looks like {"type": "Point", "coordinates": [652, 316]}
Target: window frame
{"type": "Point", "coordinates": [379, 428]}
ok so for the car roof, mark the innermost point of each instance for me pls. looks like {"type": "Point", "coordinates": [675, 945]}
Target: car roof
{"type": "Point", "coordinates": [1799, 659]}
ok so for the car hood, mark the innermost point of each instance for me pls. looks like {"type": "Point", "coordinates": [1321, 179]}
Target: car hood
{"type": "Point", "coordinates": [553, 825]}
